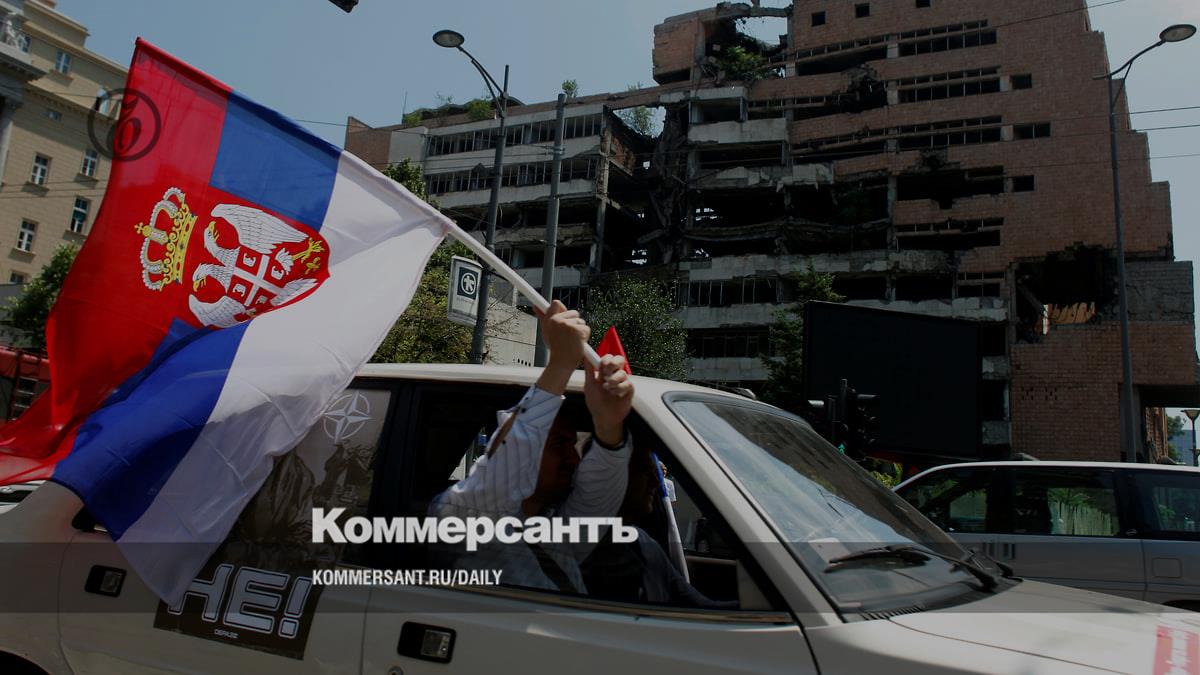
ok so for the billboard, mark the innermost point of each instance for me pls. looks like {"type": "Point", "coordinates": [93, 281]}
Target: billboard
{"type": "Point", "coordinates": [925, 370]}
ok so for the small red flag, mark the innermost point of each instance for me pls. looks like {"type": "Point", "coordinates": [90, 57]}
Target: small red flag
{"type": "Point", "coordinates": [611, 344]}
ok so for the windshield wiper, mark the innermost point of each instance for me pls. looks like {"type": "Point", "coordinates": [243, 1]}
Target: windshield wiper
{"type": "Point", "coordinates": [916, 554]}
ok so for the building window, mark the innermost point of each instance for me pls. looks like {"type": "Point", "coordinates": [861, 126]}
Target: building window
{"type": "Point", "coordinates": [17, 278]}
{"type": "Point", "coordinates": [950, 85]}
{"type": "Point", "coordinates": [948, 43]}
{"type": "Point", "coordinates": [53, 115]}
{"type": "Point", "coordinates": [90, 161]}
{"type": "Point", "coordinates": [921, 4]}
{"type": "Point", "coordinates": [25, 236]}
{"type": "Point", "coordinates": [41, 170]}
{"type": "Point", "coordinates": [62, 62]}
{"type": "Point", "coordinates": [818, 18]}
{"type": "Point", "coordinates": [79, 215]}
{"type": "Point", "coordinates": [1022, 183]}
{"type": "Point", "coordinates": [103, 102]}
{"type": "Point", "coordinates": [1024, 132]}
{"type": "Point", "coordinates": [1022, 81]}
{"type": "Point", "coordinates": [23, 42]}
{"type": "Point", "coordinates": [862, 11]}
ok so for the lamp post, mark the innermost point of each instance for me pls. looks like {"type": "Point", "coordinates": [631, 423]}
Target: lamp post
{"type": "Point", "coordinates": [499, 93]}
{"type": "Point", "coordinates": [1175, 33]}
{"type": "Point", "coordinates": [1192, 414]}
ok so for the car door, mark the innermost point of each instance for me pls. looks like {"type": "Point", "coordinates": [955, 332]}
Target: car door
{"type": "Point", "coordinates": [962, 502]}
{"type": "Point", "coordinates": [254, 607]}
{"type": "Point", "coordinates": [1064, 525]}
{"type": "Point", "coordinates": [1169, 506]}
{"type": "Point", "coordinates": [418, 629]}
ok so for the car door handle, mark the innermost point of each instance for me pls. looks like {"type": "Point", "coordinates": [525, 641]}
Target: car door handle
{"type": "Point", "coordinates": [426, 642]}
{"type": "Point", "coordinates": [104, 581]}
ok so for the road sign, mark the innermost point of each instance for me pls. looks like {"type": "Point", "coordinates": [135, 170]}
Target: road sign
{"type": "Point", "coordinates": [463, 303]}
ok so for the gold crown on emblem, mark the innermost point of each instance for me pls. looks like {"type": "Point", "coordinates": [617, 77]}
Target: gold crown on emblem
{"type": "Point", "coordinates": [172, 245]}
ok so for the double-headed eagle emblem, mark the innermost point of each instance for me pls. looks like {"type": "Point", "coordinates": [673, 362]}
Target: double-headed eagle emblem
{"type": "Point", "coordinates": [267, 264]}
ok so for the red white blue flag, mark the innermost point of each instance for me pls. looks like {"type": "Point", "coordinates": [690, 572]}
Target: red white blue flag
{"type": "Point", "coordinates": [239, 272]}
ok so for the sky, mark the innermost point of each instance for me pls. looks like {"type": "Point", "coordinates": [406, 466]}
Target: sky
{"type": "Point", "coordinates": [317, 64]}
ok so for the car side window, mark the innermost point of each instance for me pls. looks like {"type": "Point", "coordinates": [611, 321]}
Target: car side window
{"type": "Point", "coordinates": [689, 565]}
{"type": "Point", "coordinates": [1070, 502]}
{"type": "Point", "coordinates": [1170, 503]}
{"type": "Point", "coordinates": [956, 500]}
{"type": "Point", "coordinates": [332, 467]}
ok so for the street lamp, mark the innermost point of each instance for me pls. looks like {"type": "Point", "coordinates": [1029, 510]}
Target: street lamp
{"type": "Point", "coordinates": [1175, 33]}
{"type": "Point", "coordinates": [1192, 414]}
{"type": "Point", "coordinates": [454, 40]}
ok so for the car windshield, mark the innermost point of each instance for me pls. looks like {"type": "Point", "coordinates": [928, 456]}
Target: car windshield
{"type": "Point", "coordinates": [825, 507]}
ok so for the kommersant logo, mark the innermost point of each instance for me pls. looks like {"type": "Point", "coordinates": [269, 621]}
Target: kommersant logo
{"type": "Point", "coordinates": [471, 531]}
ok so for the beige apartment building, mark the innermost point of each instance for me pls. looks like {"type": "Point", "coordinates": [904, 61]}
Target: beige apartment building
{"type": "Point", "coordinates": [52, 176]}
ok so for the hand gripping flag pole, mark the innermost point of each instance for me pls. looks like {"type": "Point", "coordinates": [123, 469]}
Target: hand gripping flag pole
{"type": "Point", "coordinates": [510, 275]}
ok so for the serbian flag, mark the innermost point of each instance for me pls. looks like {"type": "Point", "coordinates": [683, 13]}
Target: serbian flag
{"type": "Point", "coordinates": [239, 272]}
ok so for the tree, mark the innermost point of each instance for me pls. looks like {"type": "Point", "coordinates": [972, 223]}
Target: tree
{"type": "Point", "coordinates": [1174, 428]}
{"type": "Point", "coordinates": [638, 119]}
{"type": "Point", "coordinates": [479, 109]}
{"type": "Point", "coordinates": [570, 88]}
{"type": "Point", "coordinates": [424, 333]}
{"type": "Point", "coordinates": [785, 379]}
{"type": "Point", "coordinates": [654, 341]}
{"type": "Point", "coordinates": [31, 309]}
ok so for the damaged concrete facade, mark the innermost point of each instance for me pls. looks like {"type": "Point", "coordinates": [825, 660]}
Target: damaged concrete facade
{"type": "Point", "coordinates": [941, 157]}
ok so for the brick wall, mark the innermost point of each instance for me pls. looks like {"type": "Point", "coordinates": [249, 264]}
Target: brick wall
{"type": "Point", "coordinates": [1065, 391]}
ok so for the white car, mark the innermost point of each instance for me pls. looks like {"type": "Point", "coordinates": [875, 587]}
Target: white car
{"type": "Point", "coordinates": [11, 495]}
{"type": "Point", "coordinates": [814, 566]}
{"type": "Point", "coordinates": [1122, 528]}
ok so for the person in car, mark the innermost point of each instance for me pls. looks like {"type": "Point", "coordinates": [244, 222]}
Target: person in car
{"type": "Point", "coordinates": [535, 465]}
{"type": "Point", "coordinates": [641, 571]}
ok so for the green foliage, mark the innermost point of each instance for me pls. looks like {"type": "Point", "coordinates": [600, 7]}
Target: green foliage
{"type": "Point", "coordinates": [407, 173]}
{"type": "Point", "coordinates": [654, 341]}
{"type": "Point", "coordinates": [413, 119]}
{"type": "Point", "coordinates": [785, 379]}
{"type": "Point", "coordinates": [885, 472]}
{"type": "Point", "coordinates": [479, 109]}
{"type": "Point", "coordinates": [29, 311]}
{"type": "Point", "coordinates": [741, 64]}
{"type": "Point", "coordinates": [570, 88]}
{"type": "Point", "coordinates": [424, 333]}
{"type": "Point", "coordinates": [638, 119]}
{"type": "Point", "coordinates": [1174, 428]}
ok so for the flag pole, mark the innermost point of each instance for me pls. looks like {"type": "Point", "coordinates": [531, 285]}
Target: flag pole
{"type": "Point", "coordinates": [510, 275]}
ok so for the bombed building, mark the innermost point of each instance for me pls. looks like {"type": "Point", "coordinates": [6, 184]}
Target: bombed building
{"type": "Point", "coordinates": [942, 157]}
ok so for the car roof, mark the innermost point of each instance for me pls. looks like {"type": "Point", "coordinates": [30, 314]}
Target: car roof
{"type": "Point", "coordinates": [1040, 464]}
{"type": "Point", "coordinates": [646, 387]}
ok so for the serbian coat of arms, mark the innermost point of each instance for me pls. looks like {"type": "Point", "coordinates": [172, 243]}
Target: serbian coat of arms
{"type": "Point", "coordinates": [253, 262]}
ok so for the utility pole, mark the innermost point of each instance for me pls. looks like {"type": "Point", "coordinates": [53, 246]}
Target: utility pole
{"type": "Point", "coordinates": [485, 279]}
{"type": "Point", "coordinates": [540, 355]}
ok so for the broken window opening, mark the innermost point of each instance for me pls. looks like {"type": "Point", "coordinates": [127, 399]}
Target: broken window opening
{"type": "Point", "coordinates": [1023, 132]}
{"type": "Point", "coordinates": [992, 397]}
{"type": "Point", "coordinates": [1022, 184]}
{"type": "Point", "coordinates": [1022, 81]}
{"type": "Point", "coordinates": [715, 343]}
{"type": "Point", "coordinates": [861, 288]}
{"type": "Point", "coordinates": [946, 186]}
{"type": "Point", "coordinates": [949, 235]}
{"type": "Point", "coordinates": [923, 287]}
{"type": "Point", "coordinates": [993, 338]}
{"type": "Point", "coordinates": [948, 43]}
{"type": "Point", "coordinates": [748, 156]}
{"type": "Point", "coordinates": [725, 293]}
{"type": "Point", "coordinates": [1071, 287]}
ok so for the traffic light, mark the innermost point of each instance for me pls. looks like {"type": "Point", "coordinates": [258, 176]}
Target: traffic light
{"type": "Point", "coordinates": [855, 420]}
{"type": "Point", "coordinates": [346, 5]}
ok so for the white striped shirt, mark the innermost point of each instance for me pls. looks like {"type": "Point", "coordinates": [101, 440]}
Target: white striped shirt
{"type": "Point", "coordinates": [500, 481]}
